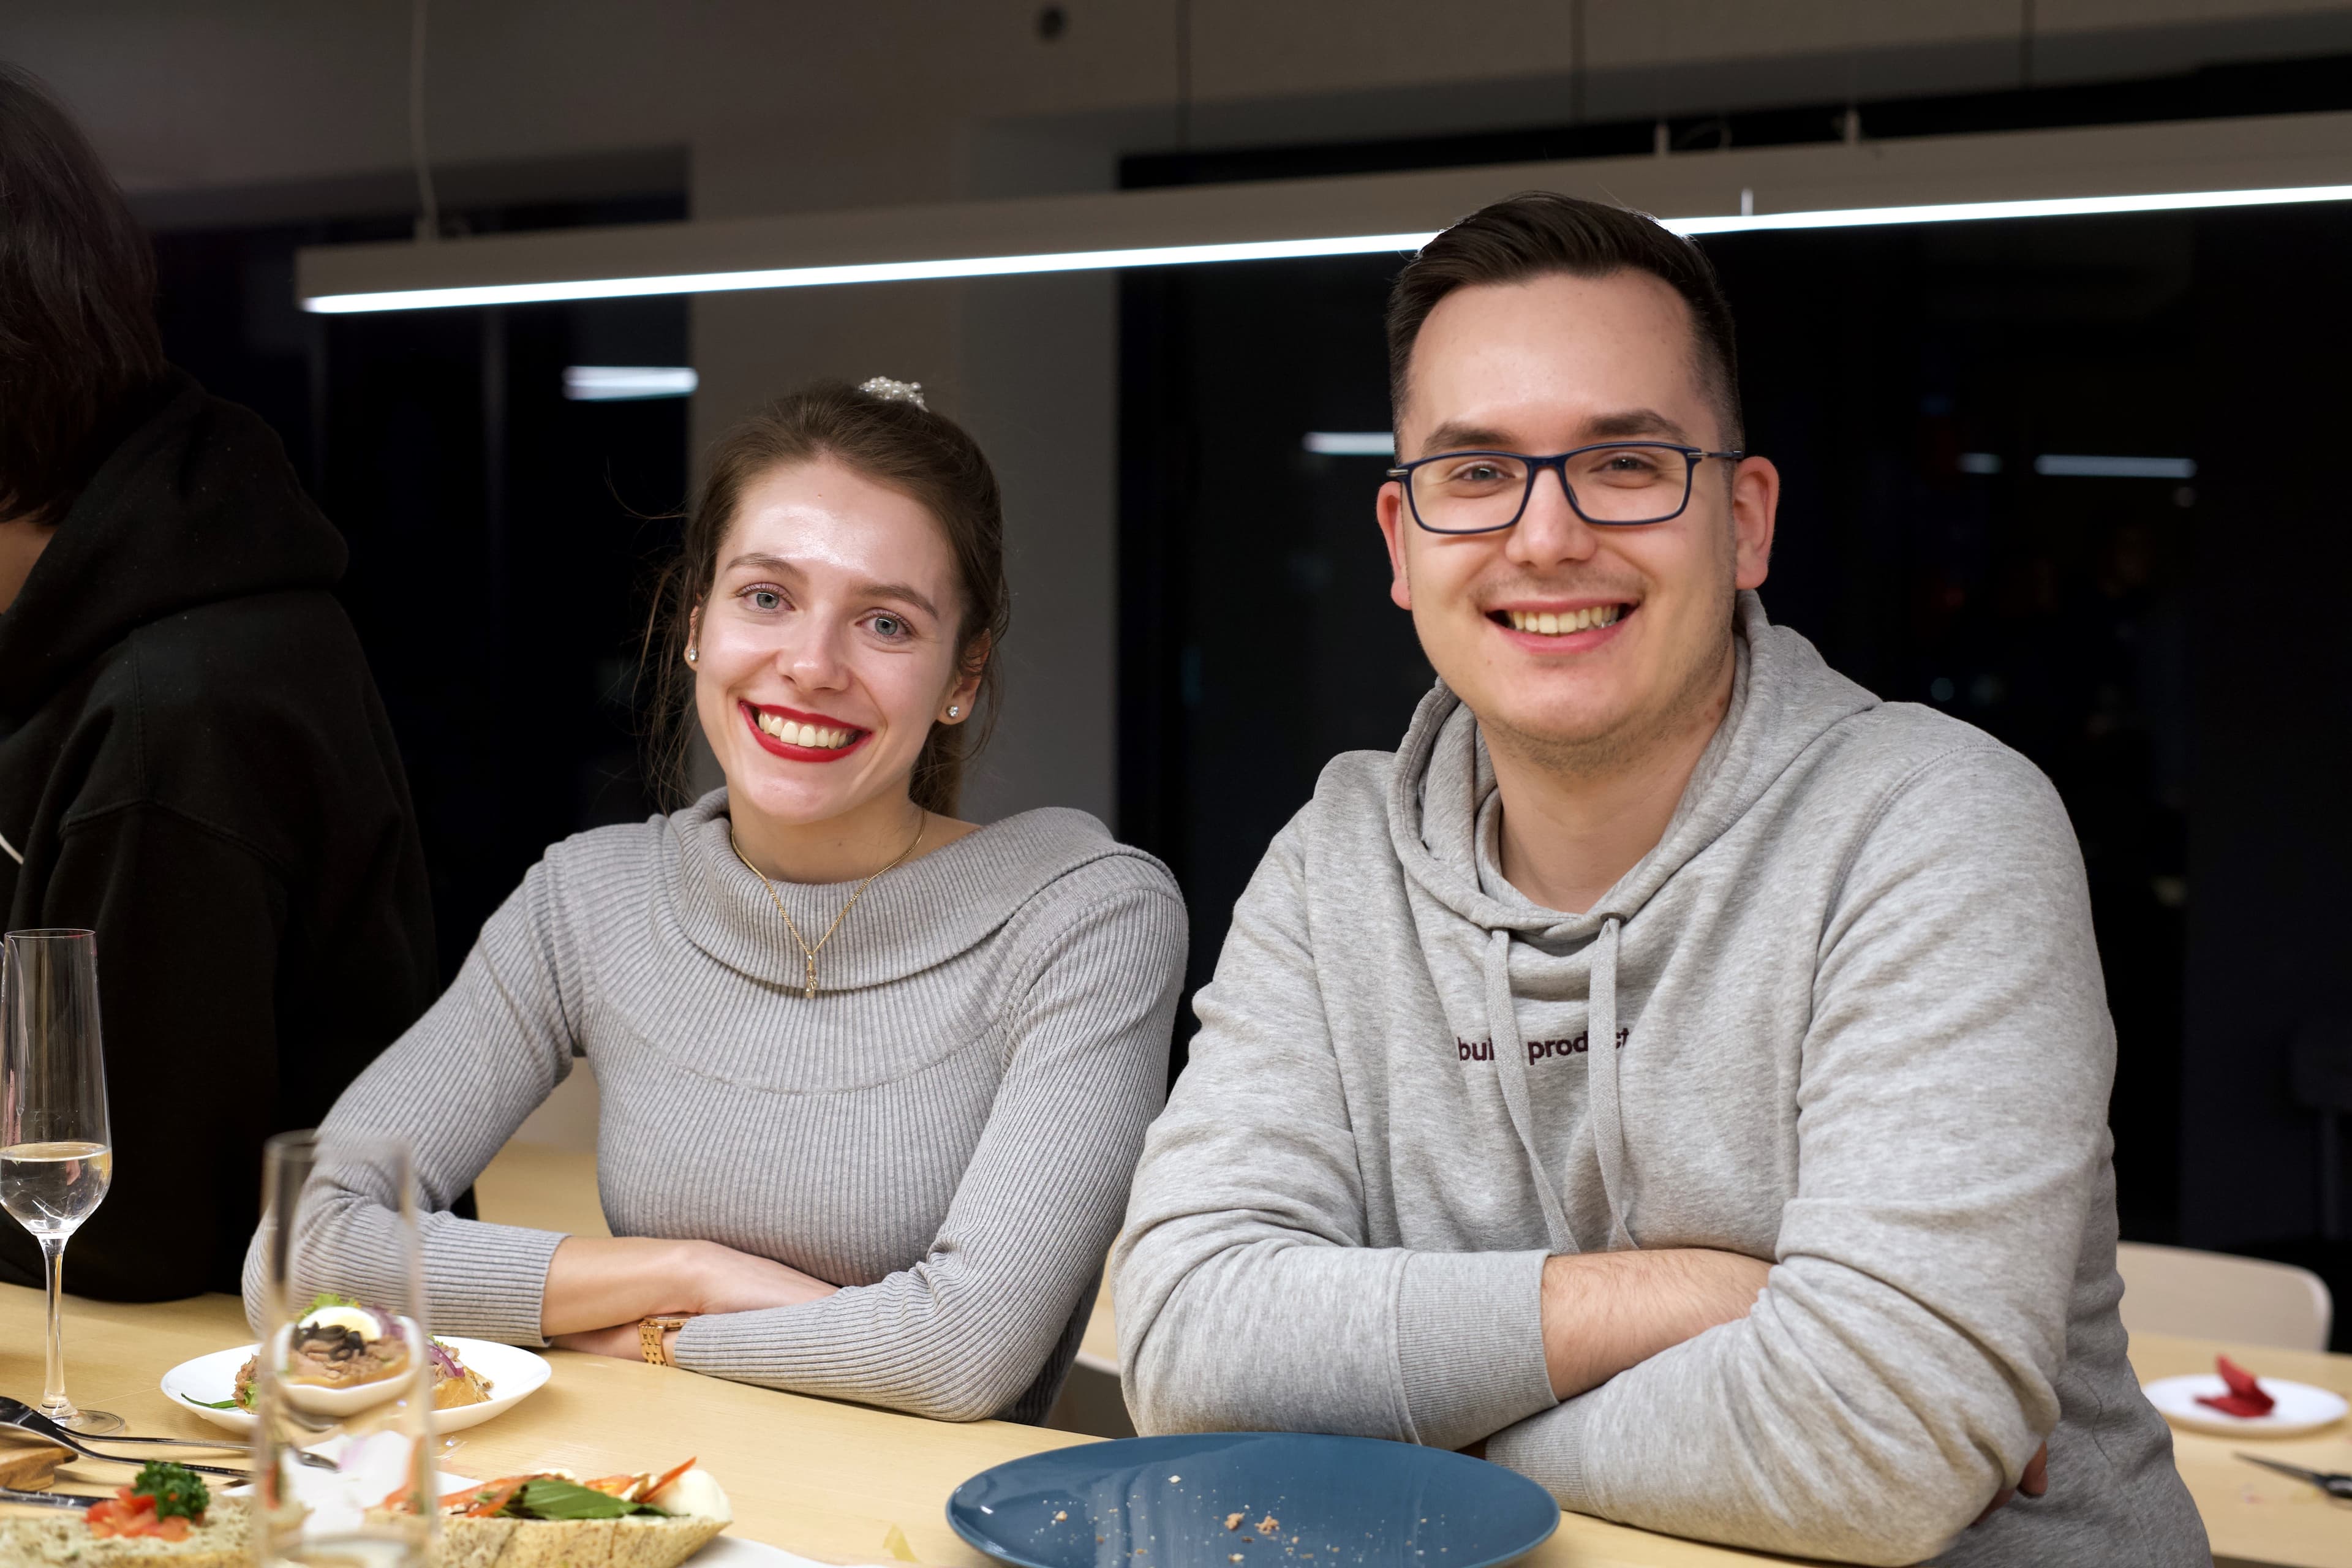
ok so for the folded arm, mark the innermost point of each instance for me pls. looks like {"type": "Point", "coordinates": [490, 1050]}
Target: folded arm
{"type": "Point", "coordinates": [1898, 1371]}
{"type": "Point", "coordinates": [454, 1087]}
{"type": "Point", "coordinates": [963, 1332]}
{"type": "Point", "coordinates": [1247, 1296]}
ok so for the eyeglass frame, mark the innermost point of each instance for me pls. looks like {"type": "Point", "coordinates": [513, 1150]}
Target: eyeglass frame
{"type": "Point", "coordinates": [1692, 458]}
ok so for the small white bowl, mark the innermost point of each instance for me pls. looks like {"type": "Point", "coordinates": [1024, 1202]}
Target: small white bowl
{"type": "Point", "coordinates": [2299, 1407]}
{"type": "Point", "coordinates": [515, 1374]}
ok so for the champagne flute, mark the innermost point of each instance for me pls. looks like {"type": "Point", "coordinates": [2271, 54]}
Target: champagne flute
{"type": "Point", "coordinates": [344, 1369]}
{"type": "Point", "coordinates": [56, 1157]}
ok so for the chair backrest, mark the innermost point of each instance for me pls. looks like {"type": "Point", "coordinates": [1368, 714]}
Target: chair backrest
{"type": "Point", "coordinates": [2214, 1296]}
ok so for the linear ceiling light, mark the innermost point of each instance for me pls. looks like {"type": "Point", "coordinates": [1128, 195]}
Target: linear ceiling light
{"type": "Point", "coordinates": [1267, 250]}
{"type": "Point", "coordinates": [864, 272]}
{"type": "Point", "coordinates": [2076, 466]}
{"type": "Point", "coordinates": [626, 383]}
{"type": "Point", "coordinates": [1351, 443]}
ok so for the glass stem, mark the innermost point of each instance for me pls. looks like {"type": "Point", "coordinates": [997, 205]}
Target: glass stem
{"type": "Point", "coordinates": [54, 1402]}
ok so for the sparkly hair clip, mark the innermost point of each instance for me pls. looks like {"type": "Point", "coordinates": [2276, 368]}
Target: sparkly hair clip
{"type": "Point", "coordinates": [888, 391]}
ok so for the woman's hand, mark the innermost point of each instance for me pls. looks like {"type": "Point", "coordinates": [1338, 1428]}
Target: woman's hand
{"type": "Point", "coordinates": [727, 1281]}
{"type": "Point", "coordinates": [620, 1342]}
{"type": "Point", "coordinates": [595, 1283]}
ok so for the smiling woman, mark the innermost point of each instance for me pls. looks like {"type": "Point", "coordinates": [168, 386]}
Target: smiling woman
{"type": "Point", "coordinates": [873, 1078]}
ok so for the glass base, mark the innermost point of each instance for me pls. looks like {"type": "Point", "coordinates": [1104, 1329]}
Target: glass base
{"type": "Point", "coordinates": [92, 1423]}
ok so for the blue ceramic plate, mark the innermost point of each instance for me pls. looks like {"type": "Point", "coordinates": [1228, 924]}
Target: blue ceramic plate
{"type": "Point", "coordinates": [1303, 1501]}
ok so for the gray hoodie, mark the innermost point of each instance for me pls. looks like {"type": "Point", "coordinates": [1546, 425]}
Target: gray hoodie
{"type": "Point", "coordinates": [1860, 1030]}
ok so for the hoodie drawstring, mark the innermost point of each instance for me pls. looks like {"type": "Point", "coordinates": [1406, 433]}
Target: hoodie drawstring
{"type": "Point", "coordinates": [1601, 1082]}
{"type": "Point", "coordinates": [1511, 1073]}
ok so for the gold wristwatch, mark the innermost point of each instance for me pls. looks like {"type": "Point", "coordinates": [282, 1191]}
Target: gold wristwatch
{"type": "Point", "coordinates": [649, 1338]}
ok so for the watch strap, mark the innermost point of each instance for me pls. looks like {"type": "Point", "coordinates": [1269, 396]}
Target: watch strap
{"type": "Point", "coordinates": [650, 1334]}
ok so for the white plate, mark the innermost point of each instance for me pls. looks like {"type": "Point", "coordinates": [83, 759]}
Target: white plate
{"type": "Point", "coordinates": [515, 1374]}
{"type": "Point", "coordinates": [2300, 1407]}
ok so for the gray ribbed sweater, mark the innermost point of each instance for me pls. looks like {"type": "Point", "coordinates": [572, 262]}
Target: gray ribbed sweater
{"type": "Point", "coordinates": [946, 1130]}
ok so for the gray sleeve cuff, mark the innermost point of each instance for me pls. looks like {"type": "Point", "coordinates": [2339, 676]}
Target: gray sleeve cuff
{"type": "Point", "coordinates": [486, 1280]}
{"type": "Point", "coordinates": [1470, 1354]}
{"type": "Point", "coordinates": [1549, 1449]}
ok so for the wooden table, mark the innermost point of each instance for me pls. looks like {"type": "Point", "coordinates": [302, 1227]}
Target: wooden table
{"type": "Point", "coordinates": [2255, 1515]}
{"type": "Point", "coordinates": [846, 1484]}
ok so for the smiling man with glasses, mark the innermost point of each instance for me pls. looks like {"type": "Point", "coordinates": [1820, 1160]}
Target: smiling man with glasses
{"type": "Point", "coordinates": [1674, 1072]}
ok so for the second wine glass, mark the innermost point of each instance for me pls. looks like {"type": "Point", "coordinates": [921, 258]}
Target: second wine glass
{"type": "Point", "coordinates": [56, 1154]}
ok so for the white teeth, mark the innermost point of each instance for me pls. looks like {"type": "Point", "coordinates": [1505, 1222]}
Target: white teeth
{"type": "Point", "coordinates": [791, 733]}
{"type": "Point", "coordinates": [1554, 624]}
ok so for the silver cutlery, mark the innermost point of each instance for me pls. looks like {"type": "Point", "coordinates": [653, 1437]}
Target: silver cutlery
{"type": "Point", "coordinates": [40, 1426]}
{"type": "Point", "coordinates": [16, 1413]}
{"type": "Point", "coordinates": [46, 1499]}
{"type": "Point", "coordinates": [2332, 1484]}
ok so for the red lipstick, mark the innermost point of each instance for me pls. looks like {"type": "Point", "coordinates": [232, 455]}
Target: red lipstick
{"type": "Point", "coordinates": [791, 750]}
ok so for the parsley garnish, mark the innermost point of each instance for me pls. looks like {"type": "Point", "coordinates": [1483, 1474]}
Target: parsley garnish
{"type": "Point", "coordinates": [176, 1489]}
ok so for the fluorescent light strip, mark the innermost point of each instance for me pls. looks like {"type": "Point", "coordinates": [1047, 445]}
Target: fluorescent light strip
{"type": "Point", "coordinates": [1351, 443]}
{"type": "Point", "coordinates": [2068, 465]}
{"type": "Point", "coordinates": [864, 272]}
{"type": "Point", "coordinates": [626, 383]}
{"type": "Point", "coordinates": [1270, 250]}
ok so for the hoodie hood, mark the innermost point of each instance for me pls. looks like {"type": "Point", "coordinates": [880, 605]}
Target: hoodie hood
{"type": "Point", "coordinates": [1445, 813]}
{"type": "Point", "coordinates": [197, 504]}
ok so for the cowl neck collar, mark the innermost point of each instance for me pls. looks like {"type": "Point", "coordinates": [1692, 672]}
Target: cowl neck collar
{"type": "Point", "coordinates": [910, 918]}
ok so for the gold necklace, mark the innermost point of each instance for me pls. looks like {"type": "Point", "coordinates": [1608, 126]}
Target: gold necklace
{"type": "Point", "coordinates": [808, 952]}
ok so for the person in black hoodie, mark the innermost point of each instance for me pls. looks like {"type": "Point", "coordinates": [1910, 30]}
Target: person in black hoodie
{"type": "Point", "coordinates": [194, 759]}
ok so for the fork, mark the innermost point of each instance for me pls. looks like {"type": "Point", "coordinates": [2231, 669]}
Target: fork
{"type": "Point", "coordinates": [25, 1418]}
{"type": "Point", "coordinates": [16, 1413]}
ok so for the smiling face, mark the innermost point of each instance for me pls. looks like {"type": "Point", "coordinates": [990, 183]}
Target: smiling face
{"type": "Point", "coordinates": [1578, 642]}
{"type": "Point", "coordinates": [827, 646]}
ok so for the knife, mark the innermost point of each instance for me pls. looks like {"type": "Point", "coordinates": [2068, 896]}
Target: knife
{"type": "Point", "coordinates": [47, 1499]}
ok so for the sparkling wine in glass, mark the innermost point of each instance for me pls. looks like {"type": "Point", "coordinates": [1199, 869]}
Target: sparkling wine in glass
{"type": "Point", "coordinates": [56, 1157]}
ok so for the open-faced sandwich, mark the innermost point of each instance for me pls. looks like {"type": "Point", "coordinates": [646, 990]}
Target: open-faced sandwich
{"type": "Point", "coordinates": [551, 1519]}
{"type": "Point", "coordinates": [166, 1515]}
{"type": "Point", "coordinates": [338, 1344]}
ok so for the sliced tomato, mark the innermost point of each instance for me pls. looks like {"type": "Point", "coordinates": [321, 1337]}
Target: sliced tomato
{"type": "Point", "coordinates": [667, 1476]}
{"type": "Point", "coordinates": [485, 1500]}
{"type": "Point", "coordinates": [172, 1529]}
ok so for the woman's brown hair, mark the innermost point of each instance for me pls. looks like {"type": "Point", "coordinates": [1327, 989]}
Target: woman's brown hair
{"type": "Point", "coordinates": [894, 442]}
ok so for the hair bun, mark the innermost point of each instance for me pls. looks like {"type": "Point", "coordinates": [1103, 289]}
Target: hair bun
{"type": "Point", "coordinates": [886, 390]}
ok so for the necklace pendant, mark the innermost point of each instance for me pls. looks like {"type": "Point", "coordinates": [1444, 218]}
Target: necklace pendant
{"type": "Point", "coordinates": [809, 993]}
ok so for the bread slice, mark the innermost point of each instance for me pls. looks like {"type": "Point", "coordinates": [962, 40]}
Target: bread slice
{"type": "Point", "coordinates": [639, 1541]}
{"type": "Point", "coordinates": [63, 1541]}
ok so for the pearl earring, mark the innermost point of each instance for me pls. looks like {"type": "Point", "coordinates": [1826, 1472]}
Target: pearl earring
{"type": "Point", "coordinates": [690, 656]}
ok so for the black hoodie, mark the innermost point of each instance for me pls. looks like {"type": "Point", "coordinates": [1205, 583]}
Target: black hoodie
{"type": "Point", "coordinates": [195, 764]}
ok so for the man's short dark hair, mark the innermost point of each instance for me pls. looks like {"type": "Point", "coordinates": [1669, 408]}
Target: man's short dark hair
{"type": "Point", "coordinates": [1539, 232]}
{"type": "Point", "coordinates": [78, 337]}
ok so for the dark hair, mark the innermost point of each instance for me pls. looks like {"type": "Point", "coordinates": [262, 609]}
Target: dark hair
{"type": "Point", "coordinates": [1539, 232]}
{"type": "Point", "coordinates": [77, 338]}
{"type": "Point", "coordinates": [925, 456]}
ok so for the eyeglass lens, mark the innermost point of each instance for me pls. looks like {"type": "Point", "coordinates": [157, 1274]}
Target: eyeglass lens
{"type": "Point", "coordinates": [1470, 492]}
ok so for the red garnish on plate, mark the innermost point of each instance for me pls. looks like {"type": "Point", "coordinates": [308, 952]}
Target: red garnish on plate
{"type": "Point", "coordinates": [2245, 1398]}
{"type": "Point", "coordinates": [131, 1515]}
